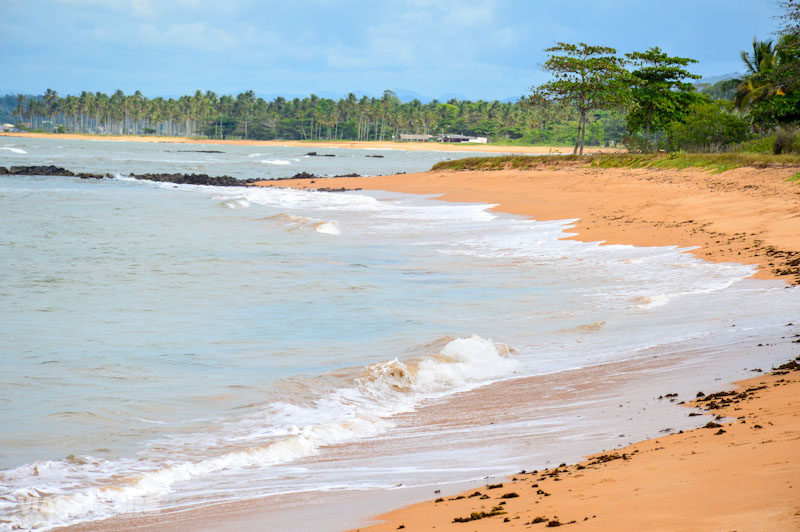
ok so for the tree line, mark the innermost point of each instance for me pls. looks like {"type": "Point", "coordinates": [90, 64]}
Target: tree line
{"type": "Point", "coordinates": [246, 116]}
{"type": "Point", "coordinates": [662, 107]}
{"type": "Point", "coordinates": [646, 100]}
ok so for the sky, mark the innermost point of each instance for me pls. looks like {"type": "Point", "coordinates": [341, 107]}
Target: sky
{"type": "Point", "coordinates": [473, 49]}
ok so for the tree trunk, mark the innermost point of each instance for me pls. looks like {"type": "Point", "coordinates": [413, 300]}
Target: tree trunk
{"type": "Point", "coordinates": [583, 129]}
{"type": "Point", "coordinates": [578, 136]}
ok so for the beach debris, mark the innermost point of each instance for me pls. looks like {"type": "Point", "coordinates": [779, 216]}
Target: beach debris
{"type": "Point", "coordinates": [603, 458]}
{"type": "Point", "coordinates": [494, 486]}
{"type": "Point", "coordinates": [711, 425]}
{"type": "Point", "coordinates": [510, 495]}
{"type": "Point", "coordinates": [475, 516]}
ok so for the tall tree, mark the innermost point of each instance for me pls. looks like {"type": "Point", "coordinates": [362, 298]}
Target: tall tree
{"type": "Point", "coordinates": [20, 109]}
{"type": "Point", "coordinates": [771, 88]}
{"type": "Point", "coordinates": [586, 77]}
{"type": "Point", "coordinates": [660, 92]}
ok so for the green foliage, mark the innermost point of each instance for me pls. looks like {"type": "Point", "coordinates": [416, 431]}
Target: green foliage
{"type": "Point", "coordinates": [777, 109]}
{"type": "Point", "coordinates": [786, 140]}
{"type": "Point", "coordinates": [709, 127]}
{"type": "Point", "coordinates": [771, 88]}
{"type": "Point", "coordinates": [585, 77]}
{"type": "Point", "coordinates": [757, 145]}
{"type": "Point", "coordinates": [660, 94]}
{"type": "Point", "coordinates": [721, 90]}
{"type": "Point", "coordinates": [714, 162]}
{"type": "Point", "coordinates": [247, 116]}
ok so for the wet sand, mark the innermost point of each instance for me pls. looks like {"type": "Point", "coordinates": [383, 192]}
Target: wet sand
{"type": "Point", "coordinates": [742, 475]}
{"type": "Point", "coordinates": [739, 473]}
{"type": "Point", "coordinates": [383, 145]}
{"type": "Point", "coordinates": [747, 215]}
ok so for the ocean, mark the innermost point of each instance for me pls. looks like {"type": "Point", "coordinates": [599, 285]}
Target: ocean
{"type": "Point", "coordinates": [169, 348]}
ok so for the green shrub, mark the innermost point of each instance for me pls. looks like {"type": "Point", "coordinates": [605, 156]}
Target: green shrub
{"type": "Point", "coordinates": [710, 127]}
{"type": "Point", "coordinates": [759, 145]}
{"type": "Point", "coordinates": [786, 141]}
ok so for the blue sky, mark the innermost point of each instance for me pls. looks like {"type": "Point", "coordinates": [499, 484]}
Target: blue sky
{"type": "Point", "coordinates": [472, 48]}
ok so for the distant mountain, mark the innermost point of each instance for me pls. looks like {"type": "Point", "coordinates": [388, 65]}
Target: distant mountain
{"type": "Point", "coordinates": [715, 79]}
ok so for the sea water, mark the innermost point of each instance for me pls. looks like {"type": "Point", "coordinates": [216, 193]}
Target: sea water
{"type": "Point", "coordinates": [171, 346]}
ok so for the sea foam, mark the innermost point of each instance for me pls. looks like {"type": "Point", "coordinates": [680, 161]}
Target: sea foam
{"type": "Point", "coordinates": [362, 409]}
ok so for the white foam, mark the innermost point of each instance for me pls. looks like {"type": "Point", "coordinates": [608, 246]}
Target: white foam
{"type": "Point", "coordinates": [349, 413]}
{"type": "Point", "coordinates": [280, 162]}
{"type": "Point", "coordinates": [235, 203]}
{"type": "Point", "coordinates": [328, 228]}
{"type": "Point", "coordinates": [13, 150]}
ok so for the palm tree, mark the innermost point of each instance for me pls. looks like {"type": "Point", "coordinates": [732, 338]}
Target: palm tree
{"type": "Point", "coordinates": [20, 109]}
{"type": "Point", "coordinates": [761, 59]}
{"type": "Point", "coordinates": [761, 64]}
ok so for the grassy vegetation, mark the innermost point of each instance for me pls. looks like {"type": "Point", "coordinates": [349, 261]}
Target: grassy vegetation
{"type": "Point", "coordinates": [714, 162]}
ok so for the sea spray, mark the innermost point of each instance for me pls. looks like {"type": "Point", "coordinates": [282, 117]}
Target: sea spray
{"type": "Point", "coordinates": [361, 410]}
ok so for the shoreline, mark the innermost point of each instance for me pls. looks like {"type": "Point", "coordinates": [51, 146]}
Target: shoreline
{"type": "Point", "coordinates": [737, 472]}
{"type": "Point", "coordinates": [363, 145]}
{"type": "Point", "coordinates": [718, 476]}
{"type": "Point", "coordinates": [727, 214]}
{"type": "Point", "coordinates": [746, 215]}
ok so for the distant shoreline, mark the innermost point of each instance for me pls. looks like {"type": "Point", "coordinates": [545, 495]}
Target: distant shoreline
{"type": "Point", "coordinates": [350, 144]}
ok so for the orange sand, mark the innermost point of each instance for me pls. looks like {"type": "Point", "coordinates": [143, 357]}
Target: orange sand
{"type": "Point", "coordinates": [746, 478]}
{"type": "Point", "coordinates": [412, 146]}
{"type": "Point", "coordinates": [745, 215]}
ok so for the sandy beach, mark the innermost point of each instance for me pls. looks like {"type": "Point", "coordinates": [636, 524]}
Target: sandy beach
{"type": "Point", "coordinates": [380, 145]}
{"type": "Point", "coordinates": [747, 215]}
{"type": "Point", "coordinates": [741, 473]}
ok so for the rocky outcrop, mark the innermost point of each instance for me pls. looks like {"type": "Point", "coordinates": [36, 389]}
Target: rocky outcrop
{"type": "Point", "coordinates": [177, 178]}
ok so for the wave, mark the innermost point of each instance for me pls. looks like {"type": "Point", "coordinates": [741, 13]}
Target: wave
{"type": "Point", "coordinates": [280, 162]}
{"type": "Point", "coordinates": [44, 494]}
{"type": "Point", "coordinates": [11, 149]}
{"type": "Point", "coordinates": [294, 222]}
{"type": "Point", "coordinates": [235, 203]}
{"type": "Point", "coordinates": [586, 327]}
{"type": "Point", "coordinates": [328, 228]}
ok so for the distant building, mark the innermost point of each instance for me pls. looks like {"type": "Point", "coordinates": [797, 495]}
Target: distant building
{"type": "Point", "coordinates": [7, 127]}
{"type": "Point", "coordinates": [409, 137]}
{"type": "Point", "coordinates": [454, 137]}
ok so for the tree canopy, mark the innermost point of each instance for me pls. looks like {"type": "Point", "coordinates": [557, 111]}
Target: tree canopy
{"type": "Point", "coordinates": [587, 78]}
{"type": "Point", "coordinates": [660, 92]}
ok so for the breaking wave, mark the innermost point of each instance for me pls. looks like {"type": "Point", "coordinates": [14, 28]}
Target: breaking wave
{"type": "Point", "coordinates": [280, 433]}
